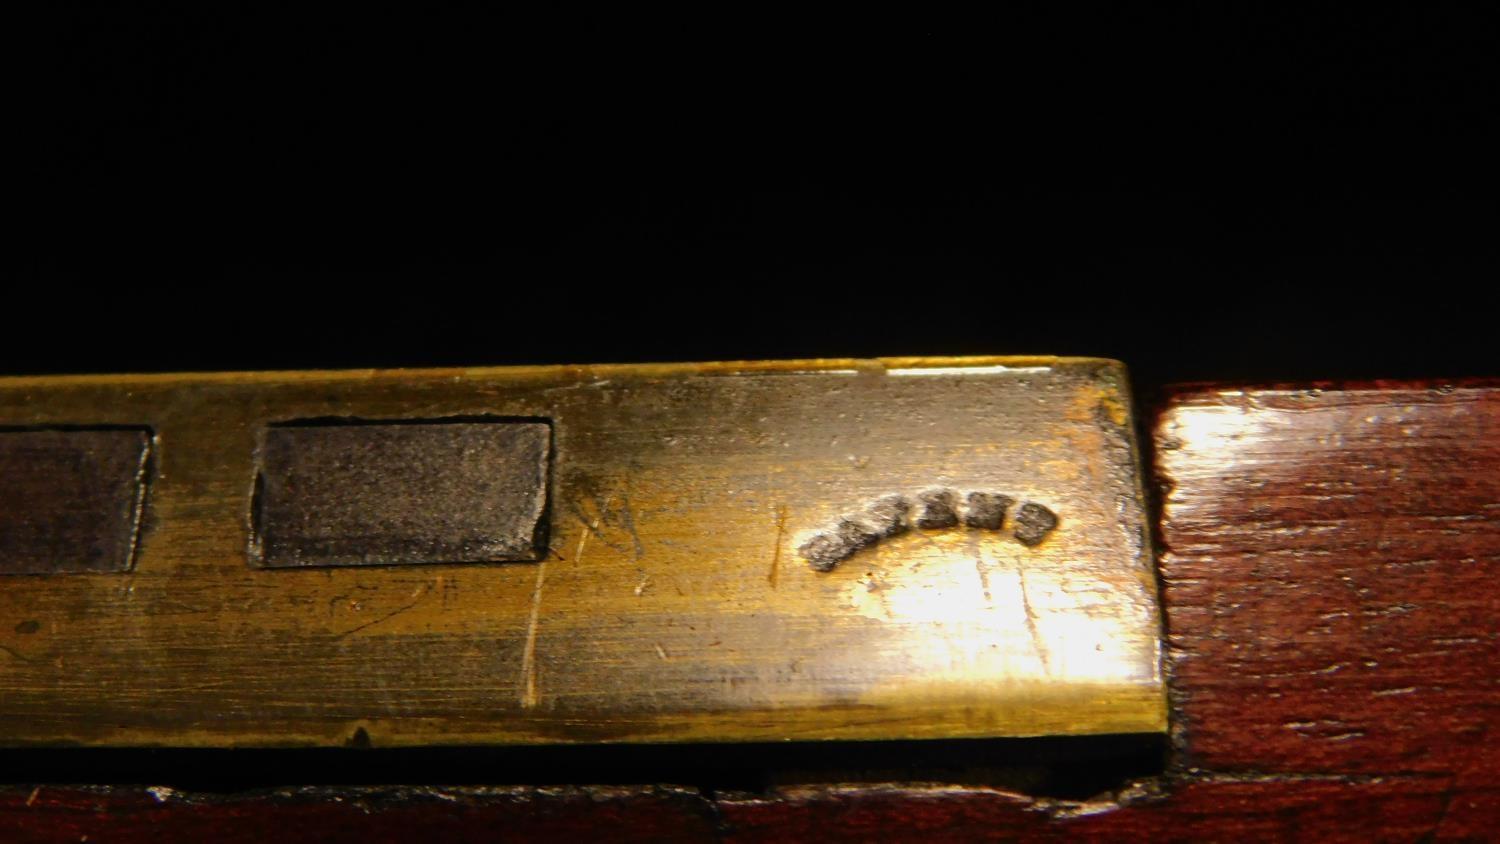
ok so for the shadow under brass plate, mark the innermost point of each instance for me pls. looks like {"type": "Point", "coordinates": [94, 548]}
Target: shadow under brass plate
{"type": "Point", "coordinates": [871, 549]}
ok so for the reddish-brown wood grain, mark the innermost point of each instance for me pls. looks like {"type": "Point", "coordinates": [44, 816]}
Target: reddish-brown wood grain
{"type": "Point", "coordinates": [1398, 809]}
{"type": "Point", "coordinates": [1204, 809]}
{"type": "Point", "coordinates": [368, 816]}
{"type": "Point", "coordinates": [1329, 566]}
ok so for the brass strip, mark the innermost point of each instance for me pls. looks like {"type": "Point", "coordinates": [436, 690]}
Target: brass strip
{"type": "Point", "coordinates": [680, 595]}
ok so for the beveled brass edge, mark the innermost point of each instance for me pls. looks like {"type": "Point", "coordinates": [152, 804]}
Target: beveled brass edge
{"type": "Point", "coordinates": [811, 365]}
{"type": "Point", "coordinates": [1122, 709]}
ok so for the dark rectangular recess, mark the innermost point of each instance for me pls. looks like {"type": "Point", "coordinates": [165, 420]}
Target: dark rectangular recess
{"type": "Point", "coordinates": [353, 492]}
{"type": "Point", "coordinates": [71, 498]}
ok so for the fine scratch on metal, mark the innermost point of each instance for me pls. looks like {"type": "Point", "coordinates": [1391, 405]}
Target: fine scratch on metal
{"type": "Point", "coordinates": [528, 656]}
{"type": "Point", "coordinates": [602, 508]}
{"type": "Point", "coordinates": [1036, 636]}
{"type": "Point", "coordinates": [984, 577]}
{"type": "Point", "coordinates": [627, 517]}
{"type": "Point", "coordinates": [775, 575]}
{"type": "Point", "coordinates": [529, 696]}
{"type": "Point", "coordinates": [417, 599]}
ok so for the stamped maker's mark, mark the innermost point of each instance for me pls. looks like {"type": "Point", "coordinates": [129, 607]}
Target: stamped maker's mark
{"type": "Point", "coordinates": [931, 509]}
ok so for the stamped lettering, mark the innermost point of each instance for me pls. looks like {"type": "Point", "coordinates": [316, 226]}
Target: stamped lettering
{"type": "Point", "coordinates": [929, 509]}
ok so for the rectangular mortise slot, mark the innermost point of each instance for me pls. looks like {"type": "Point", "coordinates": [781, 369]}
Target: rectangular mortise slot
{"type": "Point", "coordinates": [401, 492]}
{"type": "Point", "coordinates": [71, 498]}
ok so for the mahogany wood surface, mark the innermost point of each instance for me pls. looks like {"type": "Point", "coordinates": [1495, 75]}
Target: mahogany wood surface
{"type": "Point", "coordinates": [1329, 556]}
{"type": "Point", "coordinates": [1395, 809]}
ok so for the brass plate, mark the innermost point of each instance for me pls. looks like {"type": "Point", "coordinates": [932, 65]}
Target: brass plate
{"type": "Point", "coordinates": [674, 602]}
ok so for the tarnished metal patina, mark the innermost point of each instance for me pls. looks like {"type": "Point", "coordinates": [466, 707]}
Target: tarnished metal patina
{"type": "Point", "coordinates": [867, 549]}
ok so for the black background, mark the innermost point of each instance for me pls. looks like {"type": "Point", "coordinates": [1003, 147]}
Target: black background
{"type": "Point", "coordinates": [1222, 194]}
{"type": "Point", "coordinates": [1206, 191]}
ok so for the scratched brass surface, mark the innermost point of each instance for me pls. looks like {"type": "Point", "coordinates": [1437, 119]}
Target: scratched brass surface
{"type": "Point", "coordinates": [673, 605]}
